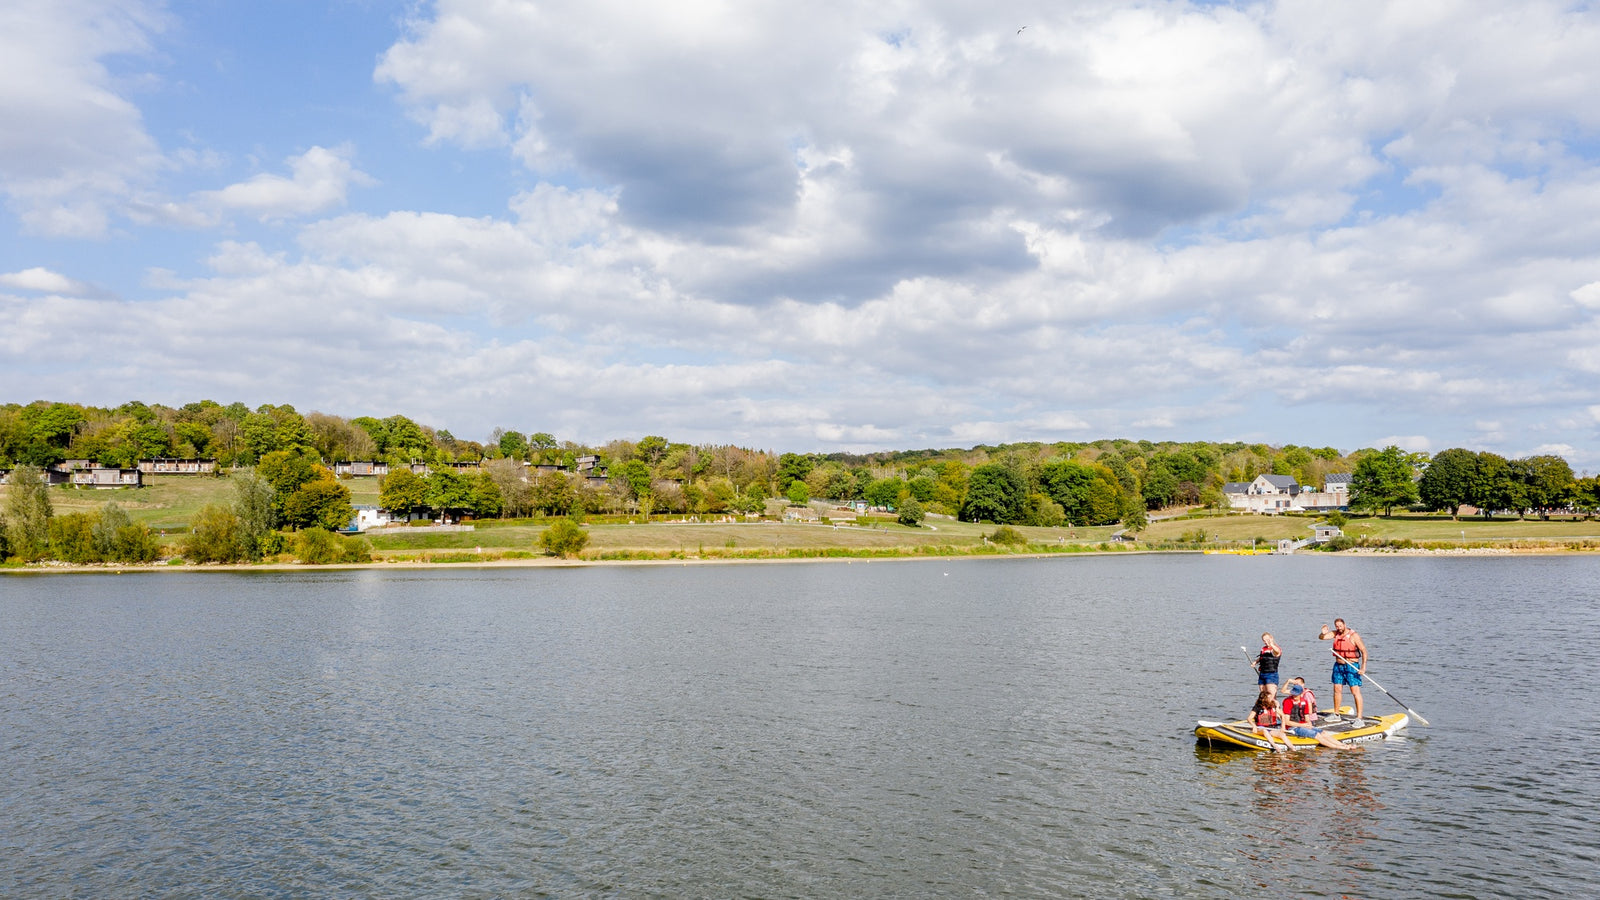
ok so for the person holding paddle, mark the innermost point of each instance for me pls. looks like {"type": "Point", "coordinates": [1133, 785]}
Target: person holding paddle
{"type": "Point", "coordinates": [1350, 663]}
{"type": "Point", "coordinates": [1266, 664]}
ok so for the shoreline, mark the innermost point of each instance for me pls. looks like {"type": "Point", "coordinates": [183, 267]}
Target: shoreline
{"type": "Point", "coordinates": [557, 563]}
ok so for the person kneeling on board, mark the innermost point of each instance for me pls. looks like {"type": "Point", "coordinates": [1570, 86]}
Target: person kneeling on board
{"type": "Point", "coordinates": [1300, 710]}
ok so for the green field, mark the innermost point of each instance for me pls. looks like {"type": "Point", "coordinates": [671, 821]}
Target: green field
{"type": "Point", "coordinates": [168, 503]}
{"type": "Point", "coordinates": [1417, 527]}
{"type": "Point", "coordinates": [706, 538]}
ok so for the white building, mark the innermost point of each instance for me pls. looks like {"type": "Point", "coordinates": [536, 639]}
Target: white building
{"type": "Point", "coordinates": [1273, 494]}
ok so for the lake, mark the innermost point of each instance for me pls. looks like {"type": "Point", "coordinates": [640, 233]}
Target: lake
{"type": "Point", "coordinates": [921, 728]}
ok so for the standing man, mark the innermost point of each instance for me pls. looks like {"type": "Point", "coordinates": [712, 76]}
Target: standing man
{"type": "Point", "coordinates": [1350, 663]}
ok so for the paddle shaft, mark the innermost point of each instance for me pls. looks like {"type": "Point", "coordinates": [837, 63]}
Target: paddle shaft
{"type": "Point", "coordinates": [1350, 662]}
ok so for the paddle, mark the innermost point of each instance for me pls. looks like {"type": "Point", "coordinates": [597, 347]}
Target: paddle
{"type": "Point", "coordinates": [1413, 713]}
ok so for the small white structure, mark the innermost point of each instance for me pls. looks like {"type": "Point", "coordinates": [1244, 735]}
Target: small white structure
{"type": "Point", "coordinates": [1324, 532]}
{"type": "Point", "coordinates": [370, 517]}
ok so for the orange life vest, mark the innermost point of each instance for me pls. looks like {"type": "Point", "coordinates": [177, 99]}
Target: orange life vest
{"type": "Point", "coordinates": [1345, 645]}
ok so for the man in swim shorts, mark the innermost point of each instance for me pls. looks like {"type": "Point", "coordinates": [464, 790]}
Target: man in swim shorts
{"type": "Point", "coordinates": [1350, 663]}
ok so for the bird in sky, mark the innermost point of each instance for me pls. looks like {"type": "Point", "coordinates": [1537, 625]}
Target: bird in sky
{"type": "Point", "coordinates": [1022, 29]}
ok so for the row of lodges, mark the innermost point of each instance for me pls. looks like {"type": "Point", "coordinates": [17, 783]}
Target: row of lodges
{"type": "Point", "coordinates": [587, 467]}
{"type": "Point", "coordinates": [1273, 494]}
{"type": "Point", "coordinates": [85, 473]}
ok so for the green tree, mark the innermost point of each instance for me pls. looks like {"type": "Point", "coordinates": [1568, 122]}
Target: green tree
{"type": "Point", "coordinates": [798, 493]}
{"type": "Point", "coordinates": [950, 489]}
{"type": "Point", "coordinates": [636, 475]}
{"type": "Point", "coordinates": [449, 491]}
{"type": "Point", "coordinates": [1495, 485]}
{"type": "Point", "coordinates": [402, 492]}
{"type": "Point", "coordinates": [1549, 481]}
{"type": "Point", "coordinates": [286, 471]}
{"type": "Point", "coordinates": [884, 492]}
{"type": "Point", "coordinates": [1585, 494]}
{"type": "Point", "coordinates": [553, 494]}
{"type": "Point", "coordinates": [651, 448]}
{"type": "Point", "coordinates": [565, 538]}
{"type": "Point", "coordinates": [213, 536]}
{"type": "Point", "coordinates": [543, 443]}
{"type": "Point", "coordinates": [995, 493]}
{"type": "Point", "coordinates": [1044, 511]}
{"type": "Point", "coordinates": [254, 504]}
{"type": "Point", "coordinates": [1134, 516]}
{"type": "Point", "coordinates": [273, 428]}
{"type": "Point", "coordinates": [72, 538]}
{"type": "Point", "coordinates": [1383, 481]}
{"type": "Point", "coordinates": [322, 503]}
{"type": "Point", "coordinates": [1447, 481]}
{"type": "Point", "coordinates": [28, 513]}
{"type": "Point", "coordinates": [112, 517]}
{"type": "Point", "coordinates": [512, 444]}
{"type": "Point", "coordinates": [487, 501]}
{"type": "Point", "coordinates": [911, 513]}
{"type": "Point", "coordinates": [794, 467]}
{"type": "Point", "coordinates": [921, 488]}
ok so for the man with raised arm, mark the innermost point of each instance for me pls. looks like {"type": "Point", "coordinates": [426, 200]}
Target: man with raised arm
{"type": "Point", "coordinates": [1350, 663]}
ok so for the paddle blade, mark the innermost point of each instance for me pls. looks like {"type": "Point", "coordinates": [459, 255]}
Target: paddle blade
{"type": "Point", "coordinates": [1417, 716]}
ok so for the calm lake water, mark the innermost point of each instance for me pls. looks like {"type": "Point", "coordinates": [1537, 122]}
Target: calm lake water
{"type": "Point", "coordinates": [959, 728]}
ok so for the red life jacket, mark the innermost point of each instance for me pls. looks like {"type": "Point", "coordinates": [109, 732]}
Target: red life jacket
{"type": "Point", "coordinates": [1266, 717]}
{"type": "Point", "coordinates": [1345, 646]}
{"type": "Point", "coordinates": [1300, 709]}
{"type": "Point", "coordinates": [1267, 662]}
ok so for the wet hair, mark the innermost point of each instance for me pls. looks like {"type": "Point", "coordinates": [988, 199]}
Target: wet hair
{"type": "Point", "coordinates": [1264, 699]}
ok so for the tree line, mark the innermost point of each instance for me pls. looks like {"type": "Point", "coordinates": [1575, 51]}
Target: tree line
{"type": "Point", "coordinates": [285, 488]}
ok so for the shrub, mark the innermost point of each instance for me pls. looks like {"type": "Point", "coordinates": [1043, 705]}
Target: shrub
{"type": "Point", "coordinates": [355, 550]}
{"type": "Point", "coordinates": [1005, 534]}
{"type": "Point", "coordinates": [72, 538]}
{"type": "Point", "coordinates": [1337, 519]}
{"type": "Point", "coordinates": [272, 543]}
{"type": "Point", "coordinates": [135, 543]}
{"type": "Point", "coordinates": [911, 513]}
{"type": "Point", "coordinates": [214, 536]}
{"type": "Point", "coordinates": [565, 538]}
{"type": "Point", "coordinates": [317, 547]}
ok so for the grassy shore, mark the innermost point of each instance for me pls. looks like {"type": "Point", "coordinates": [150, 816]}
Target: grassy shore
{"type": "Point", "coordinates": [1416, 527]}
{"type": "Point", "coordinates": [169, 503]}
{"type": "Point", "coordinates": [732, 540]}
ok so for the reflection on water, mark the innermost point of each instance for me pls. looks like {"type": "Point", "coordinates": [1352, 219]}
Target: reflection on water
{"type": "Point", "coordinates": [1018, 727]}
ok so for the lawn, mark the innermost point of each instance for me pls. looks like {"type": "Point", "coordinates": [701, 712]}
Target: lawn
{"type": "Point", "coordinates": [166, 502]}
{"type": "Point", "coordinates": [169, 502]}
{"type": "Point", "coordinates": [1407, 526]}
{"type": "Point", "coordinates": [695, 538]}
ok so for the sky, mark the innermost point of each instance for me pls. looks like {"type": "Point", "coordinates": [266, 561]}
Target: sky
{"type": "Point", "coordinates": [816, 227]}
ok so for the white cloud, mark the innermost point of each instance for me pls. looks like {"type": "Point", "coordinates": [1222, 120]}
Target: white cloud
{"type": "Point", "coordinates": [73, 149]}
{"type": "Point", "coordinates": [905, 224]}
{"type": "Point", "coordinates": [321, 178]}
{"type": "Point", "coordinates": [1411, 443]}
{"type": "Point", "coordinates": [42, 279]}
